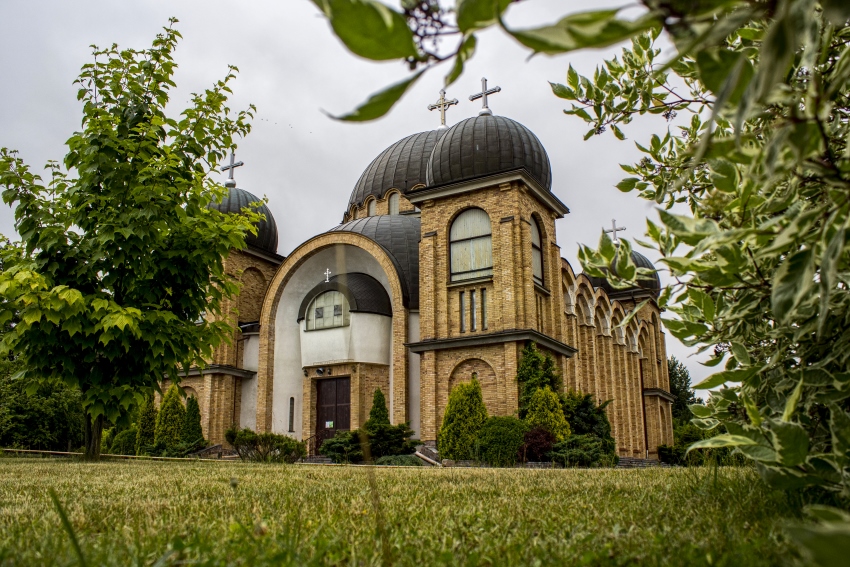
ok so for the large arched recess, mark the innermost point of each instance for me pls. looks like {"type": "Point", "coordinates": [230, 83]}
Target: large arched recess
{"type": "Point", "coordinates": [284, 275]}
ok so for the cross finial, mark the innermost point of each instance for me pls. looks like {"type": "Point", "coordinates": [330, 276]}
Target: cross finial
{"type": "Point", "coordinates": [233, 165]}
{"type": "Point", "coordinates": [485, 110]}
{"type": "Point", "coordinates": [443, 105]}
{"type": "Point", "coordinates": [327, 275]}
{"type": "Point", "coordinates": [615, 229]}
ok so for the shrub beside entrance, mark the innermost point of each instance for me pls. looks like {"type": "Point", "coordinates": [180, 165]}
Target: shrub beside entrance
{"type": "Point", "coordinates": [464, 417]}
{"type": "Point", "coordinates": [264, 447]}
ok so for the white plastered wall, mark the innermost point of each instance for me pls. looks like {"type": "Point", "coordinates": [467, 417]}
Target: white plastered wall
{"type": "Point", "coordinates": [413, 410]}
{"type": "Point", "coordinates": [288, 363]}
{"type": "Point", "coordinates": [250, 361]}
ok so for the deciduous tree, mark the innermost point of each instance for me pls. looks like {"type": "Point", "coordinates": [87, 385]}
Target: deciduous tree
{"type": "Point", "coordinates": [118, 280]}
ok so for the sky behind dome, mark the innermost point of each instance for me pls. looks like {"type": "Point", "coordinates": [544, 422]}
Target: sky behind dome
{"type": "Point", "coordinates": [293, 68]}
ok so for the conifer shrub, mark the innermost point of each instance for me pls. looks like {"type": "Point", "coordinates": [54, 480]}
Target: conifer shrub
{"type": "Point", "coordinates": [465, 414]}
{"type": "Point", "coordinates": [169, 420]}
{"type": "Point", "coordinates": [192, 436]}
{"type": "Point", "coordinates": [544, 410]}
{"type": "Point", "coordinates": [582, 451]}
{"type": "Point", "coordinates": [500, 439]}
{"type": "Point", "coordinates": [587, 418]}
{"type": "Point", "coordinates": [264, 447]}
{"type": "Point", "coordinates": [146, 426]}
{"type": "Point", "coordinates": [343, 448]}
{"type": "Point", "coordinates": [536, 445]}
{"type": "Point", "coordinates": [536, 370]}
{"type": "Point", "coordinates": [379, 412]}
{"type": "Point", "coordinates": [124, 443]}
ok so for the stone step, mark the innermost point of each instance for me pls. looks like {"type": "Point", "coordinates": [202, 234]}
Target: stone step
{"type": "Point", "coordinates": [317, 460]}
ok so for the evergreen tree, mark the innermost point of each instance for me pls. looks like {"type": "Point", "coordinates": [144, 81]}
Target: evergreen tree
{"type": "Point", "coordinates": [146, 428]}
{"type": "Point", "coordinates": [169, 420]}
{"type": "Point", "coordinates": [536, 370]}
{"type": "Point", "coordinates": [192, 432]}
{"type": "Point", "coordinates": [544, 410]}
{"type": "Point", "coordinates": [465, 414]}
{"type": "Point", "coordinates": [379, 412]}
{"type": "Point", "coordinates": [587, 418]}
{"type": "Point", "coordinates": [680, 387]}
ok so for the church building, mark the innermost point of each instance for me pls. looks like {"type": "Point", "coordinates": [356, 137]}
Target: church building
{"type": "Point", "coordinates": [444, 267]}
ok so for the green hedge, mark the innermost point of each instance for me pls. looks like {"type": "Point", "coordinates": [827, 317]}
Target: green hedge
{"type": "Point", "coordinates": [125, 442]}
{"type": "Point", "coordinates": [544, 410]}
{"type": "Point", "coordinates": [169, 420]}
{"type": "Point", "coordinates": [400, 461]}
{"type": "Point", "coordinates": [146, 427]}
{"type": "Point", "coordinates": [500, 439]}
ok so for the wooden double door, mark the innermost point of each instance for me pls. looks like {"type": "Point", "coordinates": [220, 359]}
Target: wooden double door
{"type": "Point", "coordinates": [333, 407]}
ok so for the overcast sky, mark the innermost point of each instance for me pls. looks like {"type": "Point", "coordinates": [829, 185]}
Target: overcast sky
{"type": "Point", "coordinates": [292, 67]}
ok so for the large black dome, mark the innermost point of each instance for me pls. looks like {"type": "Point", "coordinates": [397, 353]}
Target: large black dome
{"type": "Point", "coordinates": [400, 166]}
{"type": "Point", "coordinates": [646, 284]}
{"type": "Point", "coordinates": [399, 236]}
{"type": "Point", "coordinates": [237, 199]}
{"type": "Point", "coordinates": [485, 145]}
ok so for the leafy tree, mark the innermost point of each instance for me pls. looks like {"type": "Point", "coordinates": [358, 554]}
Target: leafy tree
{"type": "Point", "coordinates": [544, 410]}
{"type": "Point", "coordinates": [120, 256]}
{"type": "Point", "coordinates": [465, 414]}
{"type": "Point", "coordinates": [535, 370]}
{"type": "Point", "coordinates": [680, 387]}
{"type": "Point", "coordinates": [192, 434]}
{"type": "Point", "coordinates": [170, 420]}
{"type": "Point", "coordinates": [587, 418]}
{"type": "Point", "coordinates": [146, 428]}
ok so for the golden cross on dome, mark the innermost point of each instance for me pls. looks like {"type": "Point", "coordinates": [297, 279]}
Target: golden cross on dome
{"type": "Point", "coordinates": [485, 110]}
{"type": "Point", "coordinates": [443, 105]}
{"type": "Point", "coordinates": [615, 229]}
{"type": "Point", "coordinates": [233, 165]}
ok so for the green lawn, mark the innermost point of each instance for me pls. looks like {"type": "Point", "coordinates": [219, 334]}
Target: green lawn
{"type": "Point", "coordinates": [216, 513]}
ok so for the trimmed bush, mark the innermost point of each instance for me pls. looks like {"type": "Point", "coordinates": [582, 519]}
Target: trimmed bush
{"type": "Point", "coordinates": [264, 447]}
{"type": "Point", "coordinates": [536, 445]}
{"type": "Point", "coordinates": [544, 410]}
{"type": "Point", "coordinates": [146, 427]}
{"type": "Point", "coordinates": [192, 435]}
{"type": "Point", "coordinates": [386, 440]}
{"type": "Point", "coordinates": [582, 451]}
{"type": "Point", "coordinates": [125, 442]}
{"type": "Point", "coordinates": [465, 414]}
{"type": "Point", "coordinates": [400, 461]}
{"type": "Point", "coordinates": [587, 418]}
{"type": "Point", "coordinates": [500, 440]}
{"type": "Point", "coordinates": [169, 420]}
{"type": "Point", "coordinates": [379, 412]}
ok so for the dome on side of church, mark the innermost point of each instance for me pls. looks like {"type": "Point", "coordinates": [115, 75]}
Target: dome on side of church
{"type": "Point", "coordinates": [399, 236]}
{"type": "Point", "coordinates": [646, 284]}
{"type": "Point", "coordinates": [486, 145]}
{"type": "Point", "coordinates": [237, 199]}
{"type": "Point", "coordinates": [401, 166]}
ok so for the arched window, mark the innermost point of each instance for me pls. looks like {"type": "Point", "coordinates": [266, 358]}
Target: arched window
{"type": "Point", "coordinates": [370, 208]}
{"type": "Point", "coordinates": [393, 203]}
{"type": "Point", "coordinates": [329, 309]}
{"type": "Point", "coordinates": [536, 254]}
{"type": "Point", "coordinates": [471, 246]}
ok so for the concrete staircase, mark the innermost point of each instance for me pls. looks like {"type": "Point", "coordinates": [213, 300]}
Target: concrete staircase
{"type": "Point", "coordinates": [317, 460]}
{"type": "Point", "coordinates": [632, 463]}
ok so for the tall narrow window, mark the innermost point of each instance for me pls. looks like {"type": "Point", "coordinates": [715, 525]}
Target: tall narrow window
{"type": "Point", "coordinates": [484, 308]}
{"type": "Point", "coordinates": [471, 246]}
{"type": "Point", "coordinates": [292, 415]}
{"type": "Point", "coordinates": [472, 313]}
{"type": "Point", "coordinates": [370, 208]}
{"type": "Point", "coordinates": [536, 253]}
{"type": "Point", "coordinates": [393, 203]}
{"type": "Point", "coordinates": [462, 314]}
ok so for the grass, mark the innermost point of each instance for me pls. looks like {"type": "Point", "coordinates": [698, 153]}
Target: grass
{"type": "Point", "coordinates": [211, 513]}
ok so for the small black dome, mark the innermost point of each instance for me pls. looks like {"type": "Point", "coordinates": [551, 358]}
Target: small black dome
{"type": "Point", "coordinates": [399, 236]}
{"type": "Point", "coordinates": [485, 145]}
{"type": "Point", "coordinates": [400, 166]}
{"type": "Point", "coordinates": [237, 199]}
{"type": "Point", "coordinates": [651, 284]}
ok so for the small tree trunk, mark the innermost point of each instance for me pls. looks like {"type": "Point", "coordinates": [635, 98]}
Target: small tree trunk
{"type": "Point", "coordinates": [94, 435]}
